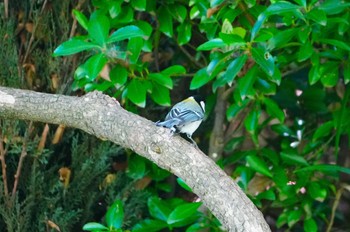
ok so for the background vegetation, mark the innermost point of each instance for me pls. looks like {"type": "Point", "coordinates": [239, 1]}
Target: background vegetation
{"type": "Point", "coordinates": [275, 76]}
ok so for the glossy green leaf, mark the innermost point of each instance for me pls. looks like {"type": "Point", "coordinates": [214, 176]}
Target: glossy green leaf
{"type": "Point", "coordinates": [346, 72]}
{"type": "Point", "coordinates": [139, 5]}
{"type": "Point", "coordinates": [73, 46]}
{"type": "Point", "coordinates": [251, 121]}
{"type": "Point", "coordinates": [265, 87]}
{"type": "Point", "coordinates": [231, 39]}
{"type": "Point", "coordinates": [183, 184]}
{"type": "Point", "coordinates": [81, 18]}
{"type": "Point", "coordinates": [161, 79]}
{"type": "Point", "coordinates": [114, 8]}
{"type": "Point", "coordinates": [336, 43]}
{"type": "Point", "coordinates": [179, 12]}
{"type": "Point", "coordinates": [98, 28]}
{"type": "Point", "coordinates": [182, 212]}
{"type": "Point", "coordinates": [174, 70]}
{"type": "Point", "coordinates": [126, 32]}
{"type": "Point", "coordinates": [118, 75]}
{"type": "Point", "coordinates": [319, 16]}
{"type": "Point", "coordinates": [316, 191]}
{"type": "Point", "coordinates": [303, 33]}
{"type": "Point", "coordinates": [332, 7]}
{"type": "Point", "coordinates": [301, 2]}
{"type": "Point", "coordinates": [234, 67]}
{"type": "Point", "coordinates": [134, 49]}
{"type": "Point", "coordinates": [211, 44]}
{"type": "Point", "coordinates": [200, 79]}
{"type": "Point", "coordinates": [158, 208]}
{"type": "Point", "coordinates": [314, 74]}
{"type": "Point", "coordinates": [94, 226]}
{"type": "Point", "coordinates": [293, 217]}
{"type": "Point", "coordinates": [329, 74]}
{"type": "Point", "coordinates": [258, 165]}
{"type": "Point", "coordinates": [184, 33]}
{"type": "Point", "coordinates": [214, 3]}
{"type": "Point", "coordinates": [327, 168]}
{"type": "Point", "coordinates": [136, 167]}
{"type": "Point", "coordinates": [136, 92]}
{"type": "Point", "coordinates": [274, 110]}
{"type": "Point", "coordinates": [161, 95]}
{"type": "Point", "coordinates": [281, 38]}
{"type": "Point", "coordinates": [264, 59]}
{"type": "Point", "coordinates": [149, 226]}
{"type": "Point", "coordinates": [115, 215]}
{"type": "Point", "coordinates": [294, 159]}
{"type": "Point", "coordinates": [323, 130]}
{"type": "Point", "coordinates": [165, 21]}
{"type": "Point", "coordinates": [310, 225]}
{"type": "Point", "coordinates": [94, 65]}
{"type": "Point", "coordinates": [305, 52]}
{"type": "Point", "coordinates": [233, 109]}
{"type": "Point", "coordinates": [245, 83]}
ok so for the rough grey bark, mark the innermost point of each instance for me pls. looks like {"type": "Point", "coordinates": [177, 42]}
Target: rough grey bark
{"type": "Point", "coordinates": [103, 117]}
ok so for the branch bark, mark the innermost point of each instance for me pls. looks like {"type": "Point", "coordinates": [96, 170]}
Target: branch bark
{"type": "Point", "coordinates": [103, 117]}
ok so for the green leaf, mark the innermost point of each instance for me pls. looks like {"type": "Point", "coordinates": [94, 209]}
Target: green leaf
{"type": "Point", "coordinates": [174, 70]}
{"type": "Point", "coordinates": [294, 159]}
{"type": "Point", "coordinates": [161, 95]}
{"type": "Point", "coordinates": [293, 217]}
{"type": "Point", "coordinates": [245, 83]}
{"type": "Point", "coordinates": [214, 3]}
{"type": "Point", "coordinates": [136, 92]}
{"type": "Point", "coordinates": [234, 67]}
{"type": "Point", "coordinates": [114, 8]}
{"type": "Point", "coordinates": [258, 165]}
{"type": "Point", "coordinates": [94, 65]}
{"type": "Point", "coordinates": [274, 110]}
{"type": "Point", "coordinates": [134, 49]}
{"type": "Point", "coordinates": [136, 167]}
{"type": "Point", "coordinates": [115, 215]}
{"type": "Point", "coordinates": [211, 44]}
{"type": "Point", "coordinates": [98, 28]}
{"type": "Point", "coordinates": [118, 75]}
{"type": "Point", "coordinates": [165, 21]}
{"type": "Point", "coordinates": [94, 226]}
{"type": "Point", "coordinates": [81, 18]}
{"type": "Point", "coordinates": [179, 12]}
{"type": "Point", "coordinates": [336, 43]}
{"type": "Point", "coordinates": [233, 109]}
{"type": "Point", "coordinates": [314, 74]}
{"type": "Point", "coordinates": [183, 184]}
{"type": "Point", "coordinates": [182, 212]}
{"type": "Point", "coordinates": [310, 225]}
{"type": "Point", "coordinates": [333, 6]}
{"type": "Point", "coordinates": [161, 79]}
{"type": "Point", "coordinates": [319, 16]}
{"type": "Point", "coordinates": [231, 39]}
{"type": "Point", "coordinates": [316, 191]}
{"type": "Point", "coordinates": [282, 38]}
{"type": "Point", "coordinates": [323, 130]}
{"type": "Point", "coordinates": [126, 32]}
{"type": "Point", "coordinates": [149, 226]}
{"type": "Point", "coordinates": [329, 74]}
{"type": "Point", "coordinates": [264, 59]}
{"type": "Point", "coordinates": [184, 33]}
{"type": "Point", "coordinates": [200, 78]}
{"type": "Point", "coordinates": [327, 168]}
{"type": "Point", "coordinates": [251, 121]}
{"type": "Point", "coordinates": [73, 46]}
{"type": "Point", "coordinates": [139, 5]}
{"type": "Point", "coordinates": [346, 72]}
{"type": "Point", "coordinates": [158, 208]}
{"type": "Point", "coordinates": [305, 52]}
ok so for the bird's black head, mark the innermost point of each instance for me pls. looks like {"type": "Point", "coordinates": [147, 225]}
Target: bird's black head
{"type": "Point", "coordinates": [200, 100]}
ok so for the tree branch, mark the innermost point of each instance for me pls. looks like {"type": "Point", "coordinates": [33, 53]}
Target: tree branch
{"type": "Point", "coordinates": [103, 117]}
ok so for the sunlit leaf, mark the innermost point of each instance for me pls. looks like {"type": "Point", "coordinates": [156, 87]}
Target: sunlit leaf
{"type": "Point", "coordinates": [73, 46]}
{"type": "Point", "coordinates": [115, 215]}
{"type": "Point", "coordinates": [81, 18]}
{"type": "Point", "coordinates": [258, 165]}
{"type": "Point", "coordinates": [126, 32]}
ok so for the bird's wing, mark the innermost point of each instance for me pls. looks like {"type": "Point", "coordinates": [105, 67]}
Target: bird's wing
{"type": "Point", "coordinates": [185, 116]}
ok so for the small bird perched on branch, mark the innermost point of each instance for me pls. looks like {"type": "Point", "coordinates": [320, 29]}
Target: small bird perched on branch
{"type": "Point", "coordinates": [185, 116]}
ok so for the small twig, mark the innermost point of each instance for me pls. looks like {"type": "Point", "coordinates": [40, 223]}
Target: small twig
{"type": "Point", "coordinates": [3, 165]}
{"type": "Point", "coordinates": [21, 159]}
{"type": "Point", "coordinates": [334, 208]}
{"type": "Point", "coordinates": [190, 57]}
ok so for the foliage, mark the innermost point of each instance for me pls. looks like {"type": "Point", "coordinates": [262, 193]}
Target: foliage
{"type": "Point", "coordinates": [280, 68]}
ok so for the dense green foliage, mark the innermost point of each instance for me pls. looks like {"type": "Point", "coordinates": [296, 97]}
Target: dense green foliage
{"type": "Point", "coordinates": [278, 72]}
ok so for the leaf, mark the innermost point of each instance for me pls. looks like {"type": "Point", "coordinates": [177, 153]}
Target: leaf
{"type": "Point", "coordinates": [182, 212]}
{"type": "Point", "coordinates": [234, 67]}
{"type": "Point", "coordinates": [274, 110]}
{"type": "Point", "coordinates": [81, 18]}
{"type": "Point", "coordinates": [98, 28]}
{"type": "Point", "coordinates": [316, 191]}
{"type": "Point", "coordinates": [136, 92]}
{"type": "Point", "coordinates": [211, 44]}
{"type": "Point", "coordinates": [126, 32]}
{"type": "Point", "coordinates": [134, 49]}
{"type": "Point", "coordinates": [333, 6]}
{"type": "Point", "coordinates": [346, 72]}
{"type": "Point", "coordinates": [179, 12]}
{"type": "Point", "coordinates": [149, 226]}
{"type": "Point", "coordinates": [258, 165]}
{"type": "Point", "coordinates": [184, 33]}
{"type": "Point", "coordinates": [293, 217]}
{"type": "Point", "coordinates": [161, 95]}
{"type": "Point", "coordinates": [251, 121]}
{"type": "Point", "coordinates": [336, 43]}
{"type": "Point", "coordinates": [329, 74]}
{"type": "Point", "coordinates": [281, 38]}
{"type": "Point", "coordinates": [200, 78]}
{"type": "Point", "coordinates": [310, 225]}
{"type": "Point", "coordinates": [245, 83]}
{"type": "Point", "coordinates": [93, 66]}
{"type": "Point", "coordinates": [231, 39]}
{"type": "Point", "coordinates": [73, 46]}
{"type": "Point", "coordinates": [161, 79]}
{"type": "Point", "coordinates": [94, 226]}
{"type": "Point", "coordinates": [118, 75]}
{"type": "Point", "coordinates": [314, 74]}
{"type": "Point", "coordinates": [139, 5]}
{"type": "Point", "coordinates": [319, 16]}
{"type": "Point", "coordinates": [158, 208]}
{"type": "Point", "coordinates": [327, 168]}
{"type": "Point", "coordinates": [136, 167]}
{"type": "Point", "coordinates": [183, 184]}
{"type": "Point", "coordinates": [294, 159]}
{"type": "Point", "coordinates": [305, 52]}
{"type": "Point", "coordinates": [174, 70]}
{"type": "Point", "coordinates": [165, 21]}
{"type": "Point", "coordinates": [115, 215]}
{"type": "Point", "coordinates": [323, 130]}
{"type": "Point", "coordinates": [264, 59]}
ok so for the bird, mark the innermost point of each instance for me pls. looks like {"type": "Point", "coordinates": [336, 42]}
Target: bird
{"type": "Point", "coordinates": [185, 117]}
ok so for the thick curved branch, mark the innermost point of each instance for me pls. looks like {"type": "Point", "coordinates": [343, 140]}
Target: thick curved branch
{"type": "Point", "coordinates": [103, 117]}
